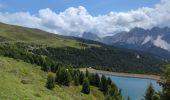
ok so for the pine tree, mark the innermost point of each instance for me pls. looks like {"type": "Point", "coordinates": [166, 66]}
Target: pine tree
{"type": "Point", "coordinates": [59, 65]}
{"type": "Point", "coordinates": [72, 72]}
{"type": "Point", "coordinates": [149, 93]}
{"type": "Point", "coordinates": [76, 80]}
{"type": "Point", "coordinates": [81, 78]}
{"type": "Point", "coordinates": [67, 78]}
{"type": "Point", "coordinates": [156, 97]}
{"type": "Point", "coordinates": [58, 74]}
{"type": "Point", "coordinates": [87, 73]}
{"type": "Point", "coordinates": [113, 93]}
{"type": "Point", "coordinates": [45, 67]}
{"type": "Point", "coordinates": [109, 81]}
{"type": "Point", "coordinates": [53, 67]}
{"type": "Point", "coordinates": [103, 84]}
{"type": "Point", "coordinates": [86, 86]}
{"type": "Point", "coordinates": [108, 97]}
{"type": "Point", "coordinates": [63, 76]}
{"type": "Point", "coordinates": [165, 83]}
{"type": "Point", "coordinates": [97, 80]}
{"type": "Point", "coordinates": [128, 98]}
{"type": "Point", "coordinates": [50, 82]}
{"type": "Point", "coordinates": [92, 79]}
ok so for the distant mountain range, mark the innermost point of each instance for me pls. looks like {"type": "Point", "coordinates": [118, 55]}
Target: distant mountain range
{"type": "Point", "coordinates": [155, 40]}
{"type": "Point", "coordinates": [91, 36]}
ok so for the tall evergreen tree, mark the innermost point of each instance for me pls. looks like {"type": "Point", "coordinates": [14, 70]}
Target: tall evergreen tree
{"type": "Point", "coordinates": [109, 81]}
{"type": "Point", "coordinates": [128, 98]}
{"type": "Point", "coordinates": [156, 97]}
{"type": "Point", "coordinates": [149, 93]}
{"type": "Point", "coordinates": [59, 65]}
{"type": "Point", "coordinates": [81, 78]}
{"type": "Point", "coordinates": [86, 86]}
{"type": "Point", "coordinates": [72, 72]}
{"type": "Point", "coordinates": [45, 67]}
{"type": "Point", "coordinates": [97, 80]}
{"type": "Point", "coordinates": [92, 79]}
{"type": "Point", "coordinates": [58, 74]}
{"type": "Point", "coordinates": [50, 82]}
{"type": "Point", "coordinates": [165, 83]}
{"type": "Point", "coordinates": [63, 77]}
{"type": "Point", "coordinates": [87, 73]}
{"type": "Point", "coordinates": [53, 67]}
{"type": "Point", "coordinates": [114, 92]}
{"type": "Point", "coordinates": [103, 84]}
{"type": "Point", "coordinates": [66, 78]}
{"type": "Point", "coordinates": [76, 80]}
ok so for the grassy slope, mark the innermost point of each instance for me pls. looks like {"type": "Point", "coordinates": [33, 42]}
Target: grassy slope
{"type": "Point", "coordinates": [22, 34]}
{"type": "Point", "coordinates": [20, 80]}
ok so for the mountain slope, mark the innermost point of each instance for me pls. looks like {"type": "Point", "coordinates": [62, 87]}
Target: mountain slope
{"type": "Point", "coordinates": [155, 40]}
{"type": "Point", "coordinates": [20, 81]}
{"type": "Point", "coordinates": [90, 36]}
{"type": "Point", "coordinates": [12, 33]}
{"type": "Point", "coordinates": [27, 44]}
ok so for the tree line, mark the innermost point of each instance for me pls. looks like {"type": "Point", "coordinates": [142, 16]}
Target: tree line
{"type": "Point", "coordinates": [68, 76]}
{"type": "Point", "coordinates": [98, 58]}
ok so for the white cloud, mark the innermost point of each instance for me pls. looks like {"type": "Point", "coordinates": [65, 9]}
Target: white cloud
{"type": "Point", "coordinates": [21, 18]}
{"type": "Point", "coordinates": [75, 21]}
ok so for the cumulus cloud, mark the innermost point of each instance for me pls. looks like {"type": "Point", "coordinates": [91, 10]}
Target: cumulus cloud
{"type": "Point", "coordinates": [75, 21]}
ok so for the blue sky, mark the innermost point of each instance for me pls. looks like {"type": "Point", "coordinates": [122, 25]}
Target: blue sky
{"type": "Point", "coordinates": [74, 17]}
{"type": "Point", "coordinates": [94, 7]}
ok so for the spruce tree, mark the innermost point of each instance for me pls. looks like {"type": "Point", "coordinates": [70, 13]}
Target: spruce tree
{"type": "Point", "coordinates": [63, 77]}
{"type": "Point", "coordinates": [67, 78]}
{"type": "Point", "coordinates": [86, 86]}
{"type": "Point", "coordinates": [53, 67]}
{"type": "Point", "coordinates": [76, 80]}
{"type": "Point", "coordinates": [97, 80]}
{"type": "Point", "coordinates": [58, 74]}
{"type": "Point", "coordinates": [149, 93]}
{"type": "Point", "coordinates": [109, 81]}
{"type": "Point", "coordinates": [59, 65]}
{"type": "Point", "coordinates": [108, 97]}
{"type": "Point", "coordinates": [113, 93]}
{"type": "Point", "coordinates": [128, 98]}
{"type": "Point", "coordinates": [156, 97]}
{"type": "Point", "coordinates": [50, 82]}
{"type": "Point", "coordinates": [81, 78]}
{"type": "Point", "coordinates": [72, 72]}
{"type": "Point", "coordinates": [103, 84]}
{"type": "Point", "coordinates": [45, 67]}
{"type": "Point", "coordinates": [92, 79]}
{"type": "Point", "coordinates": [165, 83]}
{"type": "Point", "coordinates": [87, 73]}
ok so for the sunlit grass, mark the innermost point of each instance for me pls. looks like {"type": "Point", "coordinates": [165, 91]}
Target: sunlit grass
{"type": "Point", "coordinates": [23, 81]}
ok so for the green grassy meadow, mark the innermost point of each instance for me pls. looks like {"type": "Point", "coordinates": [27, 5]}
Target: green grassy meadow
{"type": "Point", "coordinates": [23, 81]}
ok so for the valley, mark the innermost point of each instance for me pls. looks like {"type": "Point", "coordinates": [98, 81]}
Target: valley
{"type": "Point", "coordinates": [46, 66]}
{"type": "Point", "coordinates": [84, 50]}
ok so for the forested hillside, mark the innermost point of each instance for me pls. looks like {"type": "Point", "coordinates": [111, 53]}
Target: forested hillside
{"type": "Point", "coordinates": [36, 46]}
{"type": "Point", "coordinates": [45, 66]}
